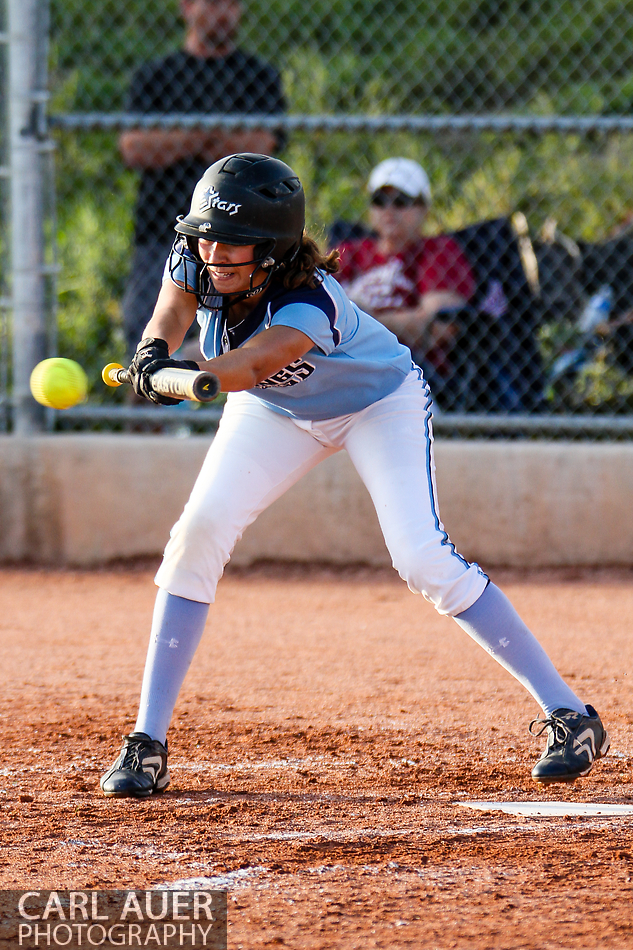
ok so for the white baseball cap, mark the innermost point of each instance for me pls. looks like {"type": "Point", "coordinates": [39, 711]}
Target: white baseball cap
{"type": "Point", "coordinates": [401, 173]}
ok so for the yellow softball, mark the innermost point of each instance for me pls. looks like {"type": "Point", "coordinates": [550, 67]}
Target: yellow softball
{"type": "Point", "coordinates": [59, 383]}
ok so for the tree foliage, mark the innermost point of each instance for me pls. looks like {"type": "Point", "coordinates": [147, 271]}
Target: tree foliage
{"type": "Point", "coordinates": [356, 56]}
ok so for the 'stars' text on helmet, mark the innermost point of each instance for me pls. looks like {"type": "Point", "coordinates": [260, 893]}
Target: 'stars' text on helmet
{"type": "Point", "coordinates": [211, 199]}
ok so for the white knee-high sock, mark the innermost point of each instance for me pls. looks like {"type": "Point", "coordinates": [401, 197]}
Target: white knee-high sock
{"type": "Point", "coordinates": [177, 627]}
{"type": "Point", "coordinates": [495, 625]}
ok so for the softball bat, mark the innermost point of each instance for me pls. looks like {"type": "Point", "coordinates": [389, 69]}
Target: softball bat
{"type": "Point", "coordinates": [196, 385]}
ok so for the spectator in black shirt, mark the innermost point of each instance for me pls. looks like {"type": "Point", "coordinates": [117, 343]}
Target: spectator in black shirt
{"type": "Point", "coordinates": [210, 75]}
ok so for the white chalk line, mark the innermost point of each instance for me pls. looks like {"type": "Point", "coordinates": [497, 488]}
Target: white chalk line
{"type": "Point", "coordinates": [262, 877]}
{"type": "Point", "coordinates": [553, 809]}
{"type": "Point", "coordinates": [342, 836]}
{"type": "Point", "coordinates": [219, 882]}
{"type": "Point", "coordinates": [321, 762]}
{"type": "Point", "coordinates": [264, 765]}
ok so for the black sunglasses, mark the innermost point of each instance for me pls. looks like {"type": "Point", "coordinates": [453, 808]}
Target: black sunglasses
{"type": "Point", "coordinates": [380, 199]}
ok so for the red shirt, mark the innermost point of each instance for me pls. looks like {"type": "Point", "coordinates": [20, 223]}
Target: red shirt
{"type": "Point", "coordinates": [432, 263]}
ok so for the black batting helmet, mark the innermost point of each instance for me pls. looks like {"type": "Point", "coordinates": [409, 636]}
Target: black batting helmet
{"type": "Point", "coordinates": [245, 198]}
{"type": "Point", "coordinates": [248, 199]}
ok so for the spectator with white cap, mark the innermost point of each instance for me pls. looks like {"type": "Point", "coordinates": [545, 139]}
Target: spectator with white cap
{"type": "Point", "coordinates": [401, 277]}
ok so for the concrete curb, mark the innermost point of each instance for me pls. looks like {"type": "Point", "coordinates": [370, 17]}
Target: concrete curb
{"type": "Point", "coordinates": [88, 499]}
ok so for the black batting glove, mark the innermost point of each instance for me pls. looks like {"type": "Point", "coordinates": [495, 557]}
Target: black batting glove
{"type": "Point", "coordinates": [155, 353]}
{"type": "Point", "coordinates": [147, 351]}
{"type": "Point", "coordinates": [144, 380]}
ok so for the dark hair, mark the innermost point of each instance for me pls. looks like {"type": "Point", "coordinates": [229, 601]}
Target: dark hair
{"type": "Point", "coordinates": [302, 271]}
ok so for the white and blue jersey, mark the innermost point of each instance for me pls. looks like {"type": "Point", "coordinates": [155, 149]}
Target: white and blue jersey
{"type": "Point", "coordinates": [355, 360]}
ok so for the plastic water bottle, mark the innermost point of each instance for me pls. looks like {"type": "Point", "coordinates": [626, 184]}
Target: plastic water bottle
{"type": "Point", "coordinates": [597, 310]}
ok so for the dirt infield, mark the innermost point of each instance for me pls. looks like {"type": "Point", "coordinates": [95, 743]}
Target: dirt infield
{"type": "Point", "coordinates": [326, 738]}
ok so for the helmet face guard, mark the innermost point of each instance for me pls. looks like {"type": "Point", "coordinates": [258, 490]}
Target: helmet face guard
{"type": "Point", "coordinates": [185, 270]}
{"type": "Point", "coordinates": [243, 199]}
{"type": "Point", "coordinates": [191, 273]}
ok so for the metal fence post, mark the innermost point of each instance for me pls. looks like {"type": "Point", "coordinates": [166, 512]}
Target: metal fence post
{"type": "Point", "coordinates": [27, 130]}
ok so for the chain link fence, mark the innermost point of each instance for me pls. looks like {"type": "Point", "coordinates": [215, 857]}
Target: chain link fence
{"type": "Point", "coordinates": [521, 115]}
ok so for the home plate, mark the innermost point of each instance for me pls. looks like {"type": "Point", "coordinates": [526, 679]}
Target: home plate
{"type": "Point", "coordinates": [558, 809]}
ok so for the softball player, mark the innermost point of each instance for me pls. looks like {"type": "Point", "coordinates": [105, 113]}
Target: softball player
{"type": "Point", "coordinates": [308, 373]}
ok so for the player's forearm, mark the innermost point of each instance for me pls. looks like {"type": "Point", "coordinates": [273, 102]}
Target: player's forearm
{"type": "Point", "coordinates": [259, 358]}
{"type": "Point", "coordinates": [173, 314]}
{"type": "Point", "coordinates": [235, 370]}
{"type": "Point", "coordinates": [162, 326]}
{"type": "Point", "coordinates": [168, 322]}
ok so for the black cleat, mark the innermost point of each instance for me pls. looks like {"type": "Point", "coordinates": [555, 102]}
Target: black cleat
{"type": "Point", "coordinates": [574, 742]}
{"type": "Point", "coordinates": [140, 770]}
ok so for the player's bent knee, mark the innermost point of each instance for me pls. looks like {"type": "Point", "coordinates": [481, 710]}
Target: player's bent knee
{"type": "Point", "coordinates": [447, 580]}
{"type": "Point", "coordinates": [195, 556]}
{"type": "Point", "coordinates": [202, 531]}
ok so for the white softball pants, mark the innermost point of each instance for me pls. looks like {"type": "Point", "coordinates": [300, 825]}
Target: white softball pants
{"type": "Point", "coordinates": [258, 454]}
